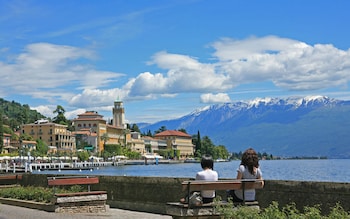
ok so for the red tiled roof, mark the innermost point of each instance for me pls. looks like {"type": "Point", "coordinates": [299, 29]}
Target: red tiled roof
{"type": "Point", "coordinates": [172, 133]}
{"type": "Point", "coordinates": [89, 113]}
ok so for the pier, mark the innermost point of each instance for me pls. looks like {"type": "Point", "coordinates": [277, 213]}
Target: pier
{"type": "Point", "coordinates": [86, 165]}
{"type": "Point", "coordinates": [30, 167]}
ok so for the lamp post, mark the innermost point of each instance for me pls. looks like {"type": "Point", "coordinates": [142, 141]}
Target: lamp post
{"type": "Point", "coordinates": [22, 155]}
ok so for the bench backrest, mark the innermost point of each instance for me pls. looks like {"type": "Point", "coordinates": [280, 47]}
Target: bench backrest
{"type": "Point", "coordinates": [198, 185]}
{"type": "Point", "coordinates": [11, 177]}
{"type": "Point", "coordinates": [67, 181]}
{"type": "Point", "coordinates": [72, 181]}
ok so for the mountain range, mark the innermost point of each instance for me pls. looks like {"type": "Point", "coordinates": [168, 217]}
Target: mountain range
{"type": "Point", "coordinates": [289, 127]}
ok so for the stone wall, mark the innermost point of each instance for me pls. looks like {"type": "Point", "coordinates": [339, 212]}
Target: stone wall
{"type": "Point", "coordinates": [150, 194]}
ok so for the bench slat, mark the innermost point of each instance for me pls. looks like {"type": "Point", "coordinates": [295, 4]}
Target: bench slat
{"type": "Point", "coordinates": [80, 193]}
{"type": "Point", "coordinates": [12, 176]}
{"type": "Point", "coordinates": [72, 181]}
{"type": "Point", "coordinates": [198, 185]}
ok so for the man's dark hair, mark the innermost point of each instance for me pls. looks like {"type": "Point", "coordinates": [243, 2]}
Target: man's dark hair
{"type": "Point", "coordinates": [207, 162]}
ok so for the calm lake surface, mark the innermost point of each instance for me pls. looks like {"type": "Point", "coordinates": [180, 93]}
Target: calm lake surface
{"type": "Point", "coordinates": [330, 170]}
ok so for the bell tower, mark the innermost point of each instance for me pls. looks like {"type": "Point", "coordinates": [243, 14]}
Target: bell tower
{"type": "Point", "coordinates": [118, 114]}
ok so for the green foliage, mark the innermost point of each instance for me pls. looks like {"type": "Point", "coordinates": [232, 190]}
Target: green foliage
{"type": "Point", "coordinates": [38, 194]}
{"type": "Point", "coordinates": [196, 140]}
{"type": "Point", "coordinates": [231, 211]}
{"type": "Point", "coordinates": [83, 155]}
{"type": "Point", "coordinates": [290, 211]}
{"type": "Point", "coordinates": [41, 147]}
{"type": "Point", "coordinates": [60, 118]}
{"type": "Point", "coordinates": [113, 149]}
{"type": "Point", "coordinates": [220, 151]}
{"type": "Point", "coordinates": [1, 133]}
{"type": "Point", "coordinates": [135, 128]}
{"type": "Point", "coordinates": [25, 137]}
{"type": "Point", "coordinates": [15, 114]}
{"type": "Point", "coordinates": [207, 146]}
{"type": "Point", "coordinates": [133, 154]}
{"type": "Point", "coordinates": [161, 129]}
{"type": "Point", "coordinates": [338, 212]}
{"type": "Point", "coordinates": [104, 138]}
{"type": "Point", "coordinates": [182, 130]}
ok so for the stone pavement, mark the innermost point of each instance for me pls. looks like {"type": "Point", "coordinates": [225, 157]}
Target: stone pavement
{"type": "Point", "coordinates": [15, 212]}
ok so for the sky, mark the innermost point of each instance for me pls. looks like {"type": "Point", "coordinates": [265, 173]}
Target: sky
{"type": "Point", "coordinates": [165, 59]}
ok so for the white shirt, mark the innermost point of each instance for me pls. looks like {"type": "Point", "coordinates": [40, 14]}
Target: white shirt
{"type": "Point", "coordinates": [207, 175]}
{"type": "Point", "coordinates": [249, 194]}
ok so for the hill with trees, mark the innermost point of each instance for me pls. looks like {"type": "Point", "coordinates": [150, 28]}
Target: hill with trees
{"type": "Point", "coordinates": [14, 114]}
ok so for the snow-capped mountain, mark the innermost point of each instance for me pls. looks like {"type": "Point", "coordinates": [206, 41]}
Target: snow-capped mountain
{"type": "Point", "coordinates": [294, 126]}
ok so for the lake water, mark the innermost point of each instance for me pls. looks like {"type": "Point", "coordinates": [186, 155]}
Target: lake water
{"type": "Point", "coordinates": [330, 170]}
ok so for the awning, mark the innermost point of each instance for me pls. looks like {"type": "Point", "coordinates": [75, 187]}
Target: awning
{"type": "Point", "coordinates": [89, 148]}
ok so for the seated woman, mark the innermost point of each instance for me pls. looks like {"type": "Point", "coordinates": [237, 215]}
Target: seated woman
{"type": "Point", "coordinates": [248, 169]}
{"type": "Point", "coordinates": [207, 174]}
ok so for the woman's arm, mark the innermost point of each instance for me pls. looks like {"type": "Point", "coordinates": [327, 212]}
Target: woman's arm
{"type": "Point", "coordinates": [262, 180]}
{"type": "Point", "coordinates": [239, 175]}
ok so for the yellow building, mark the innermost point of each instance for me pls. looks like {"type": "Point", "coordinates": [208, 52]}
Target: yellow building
{"type": "Point", "coordinates": [178, 141]}
{"type": "Point", "coordinates": [115, 134]}
{"type": "Point", "coordinates": [51, 133]}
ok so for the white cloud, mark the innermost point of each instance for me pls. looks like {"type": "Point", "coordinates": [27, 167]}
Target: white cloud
{"type": "Point", "coordinates": [90, 98]}
{"type": "Point", "coordinates": [54, 72]}
{"type": "Point", "coordinates": [215, 98]}
{"type": "Point", "coordinates": [184, 74]}
{"type": "Point", "coordinates": [46, 110]}
{"type": "Point", "coordinates": [290, 64]}
{"type": "Point", "coordinates": [59, 69]}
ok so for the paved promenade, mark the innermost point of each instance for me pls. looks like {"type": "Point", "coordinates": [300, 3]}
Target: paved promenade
{"type": "Point", "coordinates": [15, 212]}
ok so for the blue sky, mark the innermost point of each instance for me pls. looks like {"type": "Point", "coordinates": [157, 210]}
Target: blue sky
{"type": "Point", "coordinates": [165, 59]}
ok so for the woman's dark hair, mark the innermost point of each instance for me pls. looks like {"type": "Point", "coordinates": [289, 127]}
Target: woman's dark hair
{"type": "Point", "coordinates": [250, 159]}
{"type": "Point", "coordinates": [207, 162]}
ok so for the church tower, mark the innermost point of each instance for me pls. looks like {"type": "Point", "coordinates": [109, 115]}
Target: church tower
{"type": "Point", "coordinates": [118, 114]}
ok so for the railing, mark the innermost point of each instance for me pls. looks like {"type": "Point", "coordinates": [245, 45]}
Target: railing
{"type": "Point", "coordinates": [30, 167]}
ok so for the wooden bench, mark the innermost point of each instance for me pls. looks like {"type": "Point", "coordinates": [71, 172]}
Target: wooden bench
{"type": "Point", "coordinates": [10, 180]}
{"type": "Point", "coordinates": [78, 202]}
{"type": "Point", "coordinates": [183, 210]}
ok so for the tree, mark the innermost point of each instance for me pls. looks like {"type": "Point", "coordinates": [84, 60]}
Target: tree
{"type": "Point", "coordinates": [60, 118]}
{"type": "Point", "coordinates": [198, 144]}
{"type": "Point", "coordinates": [182, 130]}
{"type": "Point", "coordinates": [161, 129]}
{"type": "Point", "coordinates": [25, 137]}
{"type": "Point", "coordinates": [1, 133]}
{"type": "Point", "coordinates": [104, 138]}
{"type": "Point", "coordinates": [149, 133]}
{"type": "Point", "coordinates": [207, 146]}
{"type": "Point", "coordinates": [83, 155]}
{"type": "Point", "coordinates": [221, 152]}
{"type": "Point", "coordinates": [135, 128]}
{"type": "Point", "coordinates": [41, 147]}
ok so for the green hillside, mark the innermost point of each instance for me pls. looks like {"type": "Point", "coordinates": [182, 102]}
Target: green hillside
{"type": "Point", "coordinates": [14, 114]}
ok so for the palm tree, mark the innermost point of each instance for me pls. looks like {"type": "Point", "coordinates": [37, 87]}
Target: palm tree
{"type": "Point", "coordinates": [104, 138]}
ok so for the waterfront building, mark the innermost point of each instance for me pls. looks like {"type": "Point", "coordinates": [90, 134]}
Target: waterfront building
{"type": "Point", "coordinates": [137, 143]}
{"type": "Point", "coordinates": [94, 122]}
{"type": "Point", "coordinates": [118, 114]}
{"type": "Point", "coordinates": [86, 139]}
{"type": "Point", "coordinates": [153, 145]}
{"type": "Point", "coordinates": [7, 145]}
{"type": "Point", "coordinates": [177, 140]}
{"type": "Point", "coordinates": [52, 134]}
